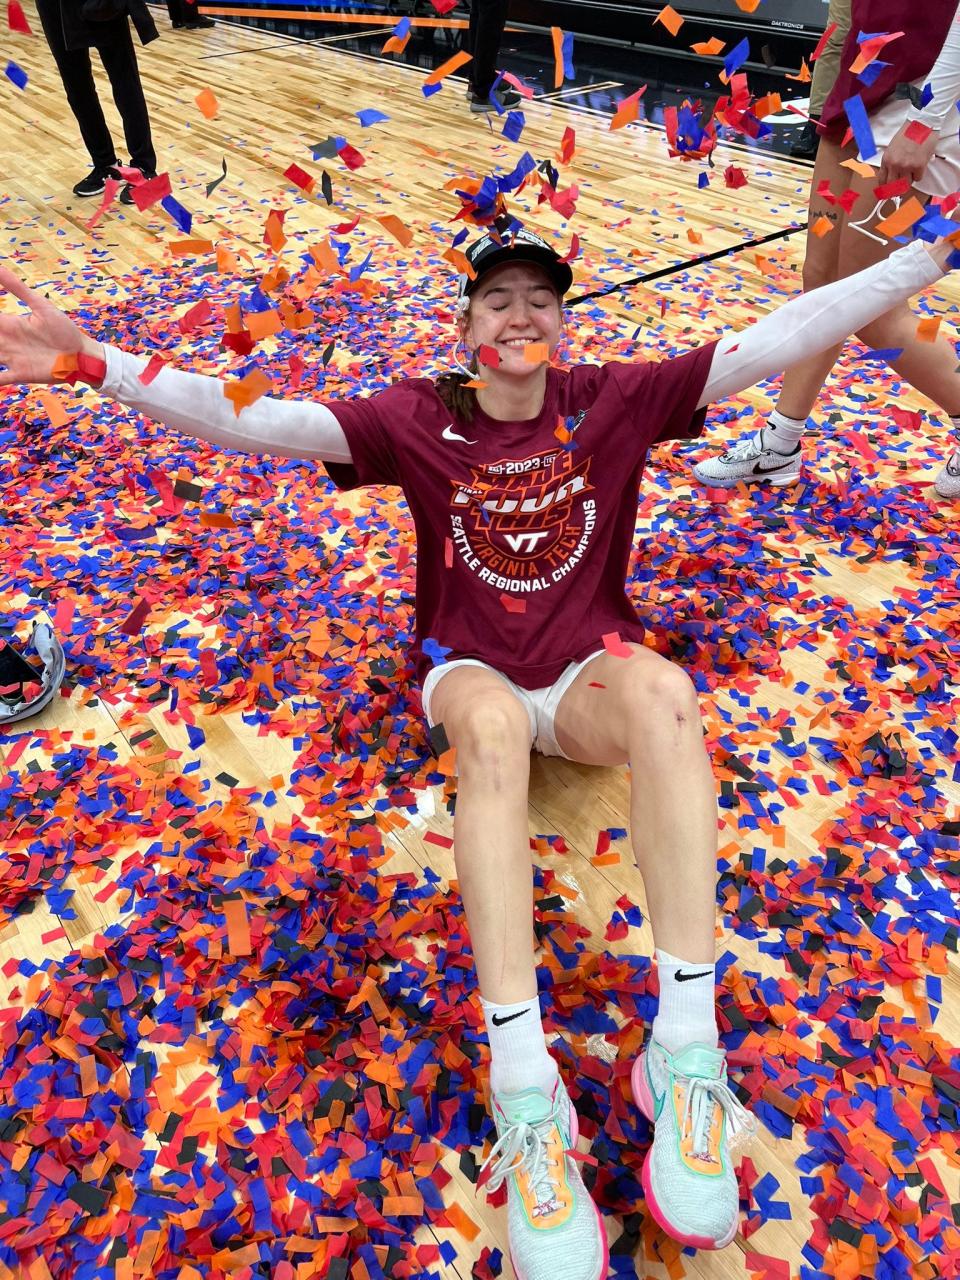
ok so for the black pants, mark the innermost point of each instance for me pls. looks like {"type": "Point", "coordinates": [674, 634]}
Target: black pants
{"type": "Point", "coordinates": [120, 62]}
{"type": "Point", "coordinates": [487, 20]}
{"type": "Point", "coordinates": [182, 12]}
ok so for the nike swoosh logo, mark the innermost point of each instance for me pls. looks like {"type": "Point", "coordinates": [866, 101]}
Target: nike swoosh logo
{"type": "Point", "coordinates": [450, 434]}
{"type": "Point", "coordinates": [689, 977]}
{"type": "Point", "coordinates": [499, 1022]}
{"type": "Point", "coordinates": [762, 471]}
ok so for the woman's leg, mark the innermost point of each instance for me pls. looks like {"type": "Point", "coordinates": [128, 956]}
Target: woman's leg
{"type": "Point", "coordinates": [490, 729]}
{"type": "Point", "coordinates": [821, 265]}
{"type": "Point", "coordinates": [647, 713]}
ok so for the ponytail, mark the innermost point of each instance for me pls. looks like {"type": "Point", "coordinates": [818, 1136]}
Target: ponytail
{"type": "Point", "coordinates": [460, 399]}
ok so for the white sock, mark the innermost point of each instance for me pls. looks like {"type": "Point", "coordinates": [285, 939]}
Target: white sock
{"type": "Point", "coordinates": [687, 1013]}
{"type": "Point", "coordinates": [518, 1047]}
{"type": "Point", "coordinates": [955, 423]}
{"type": "Point", "coordinates": [782, 433]}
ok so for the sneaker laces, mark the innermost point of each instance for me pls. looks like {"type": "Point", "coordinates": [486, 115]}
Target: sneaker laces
{"type": "Point", "coordinates": [746, 448]}
{"type": "Point", "coordinates": [523, 1149]}
{"type": "Point", "coordinates": [703, 1097]}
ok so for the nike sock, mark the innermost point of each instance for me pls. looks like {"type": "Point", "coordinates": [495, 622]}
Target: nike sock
{"type": "Point", "coordinates": [518, 1047]}
{"type": "Point", "coordinates": [688, 1010]}
{"type": "Point", "coordinates": [782, 433]}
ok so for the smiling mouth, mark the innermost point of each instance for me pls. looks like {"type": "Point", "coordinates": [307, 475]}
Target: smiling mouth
{"type": "Point", "coordinates": [518, 342]}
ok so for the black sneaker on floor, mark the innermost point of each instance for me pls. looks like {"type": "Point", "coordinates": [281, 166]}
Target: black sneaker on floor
{"type": "Point", "coordinates": [807, 142]}
{"type": "Point", "coordinates": [202, 21]}
{"type": "Point", "coordinates": [94, 184]}
{"type": "Point", "coordinates": [126, 194]}
{"type": "Point", "coordinates": [504, 97]}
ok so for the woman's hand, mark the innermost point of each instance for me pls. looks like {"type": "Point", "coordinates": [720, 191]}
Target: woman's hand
{"type": "Point", "coordinates": [30, 344]}
{"type": "Point", "coordinates": [905, 158]}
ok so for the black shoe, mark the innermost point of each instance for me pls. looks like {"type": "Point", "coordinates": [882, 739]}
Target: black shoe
{"type": "Point", "coordinates": [200, 22]}
{"type": "Point", "coordinates": [808, 140]}
{"type": "Point", "coordinates": [504, 97]}
{"type": "Point", "coordinates": [94, 184]}
{"type": "Point", "coordinates": [178, 26]}
{"type": "Point", "coordinates": [126, 195]}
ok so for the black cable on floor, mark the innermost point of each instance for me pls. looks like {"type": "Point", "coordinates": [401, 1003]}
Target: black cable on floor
{"type": "Point", "coordinates": [685, 266]}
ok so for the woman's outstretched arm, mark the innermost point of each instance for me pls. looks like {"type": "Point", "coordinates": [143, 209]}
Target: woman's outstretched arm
{"type": "Point", "coordinates": [191, 403]}
{"type": "Point", "coordinates": [815, 321]}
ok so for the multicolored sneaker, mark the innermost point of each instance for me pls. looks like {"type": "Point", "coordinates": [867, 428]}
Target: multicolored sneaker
{"type": "Point", "coordinates": [947, 483]}
{"type": "Point", "coordinates": [749, 461]}
{"type": "Point", "coordinates": [688, 1175]}
{"type": "Point", "coordinates": [554, 1227]}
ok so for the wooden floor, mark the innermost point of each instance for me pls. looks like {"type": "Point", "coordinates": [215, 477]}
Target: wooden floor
{"type": "Point", "coordinates": [637, 211]}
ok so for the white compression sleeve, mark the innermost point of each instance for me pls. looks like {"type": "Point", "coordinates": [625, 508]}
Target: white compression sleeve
{"type": "Point", "coordinates": [815, 321]}
{"type": "Point", "coordinates": [194, 404]}
{"type": "Point", "coordinates": [944, 82]}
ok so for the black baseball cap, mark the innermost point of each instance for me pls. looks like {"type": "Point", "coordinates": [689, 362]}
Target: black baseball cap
{"type": "Point", "coordinates": [518, 245]}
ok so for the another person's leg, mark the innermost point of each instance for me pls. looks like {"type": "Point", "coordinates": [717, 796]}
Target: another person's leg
{"type": "Point", "coordinates": [487, 21]}
{"type": "Point", "coordinates": [773, 453]}
{"type": "Point", "coordinates": [120, 61]}
{"type": "Point", "coordinates": [646, 712]}
{"type": "Point", "coordinates": [825, 72]}
{"type": "Point", "coordinates": [77, 76]}
{"type": "Point", "coordinates": [553, 1224]}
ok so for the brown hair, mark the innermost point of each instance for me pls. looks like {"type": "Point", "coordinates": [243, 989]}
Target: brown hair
{"type": "Point", "coordinates": [460, 399]}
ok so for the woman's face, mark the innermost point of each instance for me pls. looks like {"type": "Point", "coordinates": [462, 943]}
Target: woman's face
{"type": "Point", "coordinates": [514, 306]}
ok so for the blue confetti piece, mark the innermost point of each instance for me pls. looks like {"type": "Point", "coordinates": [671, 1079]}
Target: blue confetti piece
{"type": "Point", "coordinates": [860, 124]}
{"type": "Point", "coordinates": [17, 75]}
{"type": "Point", "coordinates": [513, 125]}
{"type": "Point", "coordinates": [437, 653]}
{"type": "Point", "coordinates": [566, 50]}
{"type": "Point", "coordinates": [703, 180]}
{"type": "Point", "coordinates": [430, 89]}
{"type": "Point", "coordinates": [402, 28]}
{"type": "Point", "coordinates": [178, 213]}
{"type": "Point", "coordinates": [370, 116]}
{"type": "Point", "coordinates": [736, 57]}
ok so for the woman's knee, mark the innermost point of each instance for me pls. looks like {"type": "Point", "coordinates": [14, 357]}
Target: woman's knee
{"type": "Point", "coordinates": [884, 331]}
{"type": "Point", "coordinates": [493, 739]}
{"type": "Point", "coordinates": [663, 701]}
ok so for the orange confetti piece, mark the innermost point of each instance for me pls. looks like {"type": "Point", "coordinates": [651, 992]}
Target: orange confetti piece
{"type": "Point", "coordinates": [860, 167]}
{"type": "Point", "coordinates": [669, 18]}
{"type": "Point", "coordinates": [396, 44]}
{"type": "Point", "coordinates": [261, 324]}
{"type": "Point", "coordinates": [557, 35]}
{"type": "Point", "coordinates": [927, 329]}
{"type": "Point", "coordinates": [536, 353]}
{"type": "Point", "coordinates": [803, 75]}
{"type": "Point", "coordinates": [238, 927]}
{"type": "Point", "coordinates": [910, 211]}
{"type": "Point", "coordinates": [447, 68]}
{"type": "Point", "coordinates": [627, 109]}
{"type": "Point", "coordinates": [207, 102]}
{"type": "Point", "coordinates": [748, 6]}
{"type": "Point", "coordinates": [694, 236]}
{"type": "Point", "coordinates": [460, 262]}
{"type": "Point", "coordinates": [245, 391]}
{"type": "Point", "coordinates": [189, 248]}
{"type": "Point", "coordinates": [88, 1075]}
{"type": "Point", "coordinates": [458, 1218]}
{"type": "Point", "coordinates": [821, 226]}
{"type": "Point", "coordinates": [401, 233]}
{"type": "Point", "coordinates": [54, 408]}
{"type": "Point", "coordinates": [709, 48]}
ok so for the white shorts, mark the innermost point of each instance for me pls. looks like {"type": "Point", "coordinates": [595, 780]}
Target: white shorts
{"type": "Point", "coordinates": [942, 175]}
{"type": "Point", "coordinates": [540, 704]}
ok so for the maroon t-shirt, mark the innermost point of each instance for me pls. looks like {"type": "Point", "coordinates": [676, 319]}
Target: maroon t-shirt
{"type": "Point", "coordinates": [523, 544]}
{"type": "Point", "coordinates": [924, 24]}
